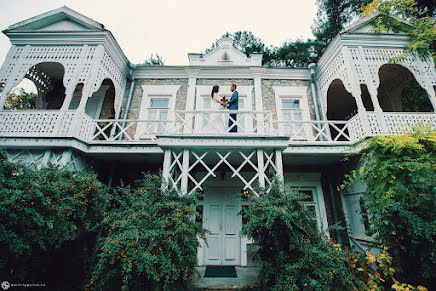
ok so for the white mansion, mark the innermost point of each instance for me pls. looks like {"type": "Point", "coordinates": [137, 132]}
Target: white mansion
{"type": "Point", "coordinates": [96, 109]}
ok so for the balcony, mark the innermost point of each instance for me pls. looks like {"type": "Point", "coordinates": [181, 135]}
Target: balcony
{"type": "Point", "coordinates": [58, 124]}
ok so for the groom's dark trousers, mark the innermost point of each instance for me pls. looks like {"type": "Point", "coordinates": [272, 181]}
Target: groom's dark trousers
{"type": "Point", "coordinates": [233, 105]}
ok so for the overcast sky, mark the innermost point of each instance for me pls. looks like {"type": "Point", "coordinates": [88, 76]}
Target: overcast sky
{"type": "Point", "coordinates": [174, 28]}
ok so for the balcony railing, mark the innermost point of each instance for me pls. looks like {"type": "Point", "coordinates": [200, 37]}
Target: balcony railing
{"type": "Point", "coordinates": [54, 123]}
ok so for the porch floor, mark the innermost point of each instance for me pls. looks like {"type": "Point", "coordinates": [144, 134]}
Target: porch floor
{"type": "Point", "coordinates": [247, 279]}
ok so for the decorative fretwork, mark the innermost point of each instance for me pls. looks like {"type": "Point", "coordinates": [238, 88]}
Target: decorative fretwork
{"type": "Point", "coordinates": [187, 170]}
{"type": "Point", "coordinates": [360, 65]}
{"type": "Point", "coordinates": [109, 70]}
{"type": "Point", "coordinates": [398, 123]}
{"type": "Point", "coordinates": [41, 158]}
{"type": "Point", "coordinates": [29, 157]}
{"type": "Point", "coordinates": [28, 122]}
{"type": "Point", "coordinates": [80, 62]}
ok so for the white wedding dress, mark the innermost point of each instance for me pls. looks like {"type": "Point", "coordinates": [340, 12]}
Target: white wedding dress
{"type": "Point", "coordinates": [217, 120]}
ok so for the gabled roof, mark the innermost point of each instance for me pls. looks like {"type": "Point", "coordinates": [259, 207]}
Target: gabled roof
{"type": "Point", "coordinates": [60, 19]}
{"type": "Point", "coordinates": [364, 25]}
{"type": "Point", "coordinates": [225, 54]}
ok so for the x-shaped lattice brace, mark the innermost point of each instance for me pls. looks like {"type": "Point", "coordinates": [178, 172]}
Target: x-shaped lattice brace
{"type": "Point", "coordinates": [178, 171]}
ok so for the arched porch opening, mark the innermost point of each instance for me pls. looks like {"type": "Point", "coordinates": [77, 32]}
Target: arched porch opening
{"type": "Point", "coordinates": [48, 87]}
{"type": "Point", "coordinates": [340, 103]}
{"type": "Point", "coordinates": [101, 105]}
{"type": "Point", "coordinates": [400, 92]}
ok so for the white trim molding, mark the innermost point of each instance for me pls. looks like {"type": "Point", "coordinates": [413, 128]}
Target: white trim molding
{"type": "Point", "coordinates": [299, 92]}
{"type": "Point", "coordinates": [149, 91]}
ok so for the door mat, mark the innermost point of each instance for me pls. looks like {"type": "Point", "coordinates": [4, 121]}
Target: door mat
{"type": "Point", "coordinates": [220, 272]}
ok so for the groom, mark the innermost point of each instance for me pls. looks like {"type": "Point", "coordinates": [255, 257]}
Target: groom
{"type": "Point", "coordinates": [233, 105]}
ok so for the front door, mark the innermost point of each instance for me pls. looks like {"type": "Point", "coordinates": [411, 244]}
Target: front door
{"type": "Point", "coordinates": [222, 220]}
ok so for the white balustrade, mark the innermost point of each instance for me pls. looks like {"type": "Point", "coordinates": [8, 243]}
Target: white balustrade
{"type": "Point", "coordinates": [133, 130]}
{"type": "Point", "coordinates": [54, 123]}
{"type": "Point", "coordinates": [28, 123]}
{"type": "Point", "coordinates": [324, 131]}
{"type": "Point", "coordinates": [217, 122]}
{"type": "Point", "coordinates": [398, 122]}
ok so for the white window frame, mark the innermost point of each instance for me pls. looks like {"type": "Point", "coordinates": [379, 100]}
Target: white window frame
{"type": "Point", "coordinates": [155, 91]}
{"type": "Point", "coordinates": [299, 92]}
{"type": "Point", "coordinates": [310, 181]}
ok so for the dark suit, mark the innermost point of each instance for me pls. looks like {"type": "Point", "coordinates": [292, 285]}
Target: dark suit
{"type": "Point", "coordinates": [233, 105]}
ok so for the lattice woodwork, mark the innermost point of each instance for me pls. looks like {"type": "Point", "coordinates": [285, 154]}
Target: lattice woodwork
{"type": "Point", "coordinates": [360, 65]}
{"type": "Point", "coordinates": [28, 122]}
{"type": "Point", "coordinates": [208, 164]}
{"type": "Point", "coordinates": [78, 62]}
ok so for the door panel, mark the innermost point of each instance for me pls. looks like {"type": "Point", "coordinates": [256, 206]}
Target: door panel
{"type": "Point", "coordinates": [230, 220]}
{"type": "Point", "coordinates": [223, 221]}
{"type": "Point", "coordinates": [214, 219]}
{"type": "Point", "coordinates": [230, 247]}
{"type": "Point", "coordinates": [213, 252]}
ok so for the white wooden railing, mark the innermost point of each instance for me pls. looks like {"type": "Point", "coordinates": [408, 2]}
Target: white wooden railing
{"type": "Point", "coordinates": [325, 131]}
{"type": "Point", "coordinates": [217, 122]}
{"type": "Point", "coordinates": [54, 123]}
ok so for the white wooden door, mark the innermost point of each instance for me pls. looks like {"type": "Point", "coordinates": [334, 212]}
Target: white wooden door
{"type": "Point", "coordinates": [224, 223]}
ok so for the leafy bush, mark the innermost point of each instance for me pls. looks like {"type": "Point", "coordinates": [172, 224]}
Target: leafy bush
{"type": "Point", "coordinates": [293, 255]}
{"type": "Point", "coordinates": [401, 199]}
{"type": "Point", "coordinates": [151, 240]}
{"type": "Point", "coordinates": [41, 211]}
{"type": "Point", "coordinates": [21, 101]}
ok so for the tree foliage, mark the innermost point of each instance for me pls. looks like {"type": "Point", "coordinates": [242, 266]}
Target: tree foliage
{"type": "Point", "coordinates": [154, 60]}
{"type": "Point", "coordinates": [151, 240]}
{"type": "Point", "coordinates": [244, 41]}
{"type": "Point", "coordinates": [40, 212]}
{"type": "Point", "coordinates": [292, 253]}
{"type": "Point", "coordinates": [400, 172]}
{"type": "Point", "coordinates": [295, 54]}
{"type": "Point", "coordinates": [333, 15]}
{"type": "Point", "coordinates": [418, 13]}
{"type": "Point", "coordinates": [21, 101]}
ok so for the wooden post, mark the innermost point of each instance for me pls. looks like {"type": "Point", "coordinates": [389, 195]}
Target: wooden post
{"type": "Point", "coordinates": [185, 169]}
{"type": "Point", "coordinates": [279, 166]}
{"type": "Point", "coordinates": [261, 168]}
{"type": "Point", "coordinates": [166, 169]}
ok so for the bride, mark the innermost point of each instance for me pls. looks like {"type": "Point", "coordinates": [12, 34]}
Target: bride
{"type": "Point", "coordinates": [216, 122]}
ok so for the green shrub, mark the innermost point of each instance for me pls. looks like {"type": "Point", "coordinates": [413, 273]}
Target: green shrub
{"type": "Point", "coordinates": [151, 239]}
{"type": "Point", "coordinates": [40, 212]}
{"type": "Point", "coordinates": [400, 173]}
{"type": "Point", "coordinates": [292, 253]}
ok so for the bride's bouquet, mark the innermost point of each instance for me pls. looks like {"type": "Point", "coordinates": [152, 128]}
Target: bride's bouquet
{"type": "Point", "coordinates": [223, 100]}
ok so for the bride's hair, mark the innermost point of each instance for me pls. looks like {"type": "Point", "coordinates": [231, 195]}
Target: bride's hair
{"type": "Point", "coordinates": [214, 89]}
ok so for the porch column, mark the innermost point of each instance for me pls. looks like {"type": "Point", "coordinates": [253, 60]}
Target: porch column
{"type": "Point", "coordinates": [166, 169]}
{"type": "Point", "coordinates": [361, 110]}
{"type": "Point", "coordinates": [257, 76]}
{"type": "Point", "coordinates": [185, 170]}
{"type": "Point", "coordinates": [190, 95]}
{"type": "Point", "coordinates": [279, 166]}
{"type": "Point", "coordinates": [89, 82]}
{"type": "Point", "coordinates": [261, 168]}
{"type": "Point", "coordinates": [69, 90]}
{"type": "Point", "coordinates": [369, 80]}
